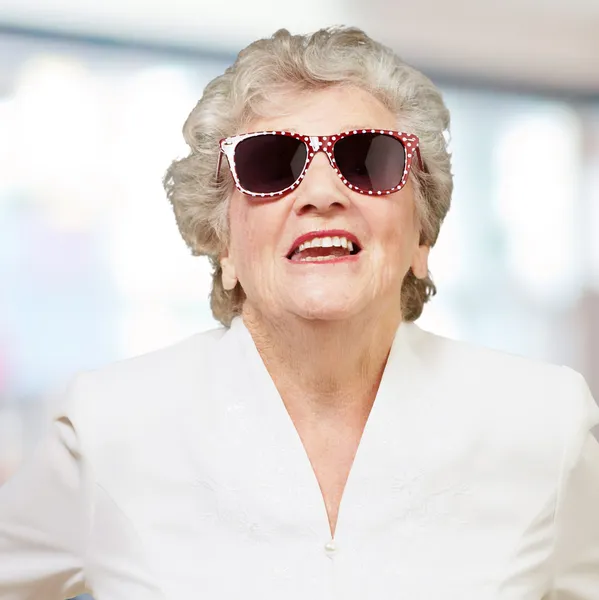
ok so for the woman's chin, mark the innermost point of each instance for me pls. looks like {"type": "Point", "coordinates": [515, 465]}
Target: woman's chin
{"type": "Point", "coordinates": [325, 309]}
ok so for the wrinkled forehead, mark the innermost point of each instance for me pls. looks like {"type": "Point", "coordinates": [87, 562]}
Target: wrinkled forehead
{"type": "Point", "coordinates": [324, 111]}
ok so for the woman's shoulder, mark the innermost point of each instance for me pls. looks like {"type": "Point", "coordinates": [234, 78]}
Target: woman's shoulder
{"type": "Point", "coordinates": [478, 361]}
{"type": "Point", "coordinates": [503, 380]}
{"type": "Point", "coordinates": [159, 366]}
{"type": "Point", "coordinates": [523, 401]}
{"type": "Point", "coordinates": [136, 391]}
{"type": "Point", "coordinates": [189, 352]}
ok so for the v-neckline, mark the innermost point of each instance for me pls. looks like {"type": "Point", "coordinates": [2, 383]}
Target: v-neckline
{"type": "Point", "coordinates": [397, 376]}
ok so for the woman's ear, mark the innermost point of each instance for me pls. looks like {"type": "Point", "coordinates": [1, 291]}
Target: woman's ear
{"type": "Point", "coordinates": [420, 262]}
{"type": "Point", "coordinates": [229, 275]}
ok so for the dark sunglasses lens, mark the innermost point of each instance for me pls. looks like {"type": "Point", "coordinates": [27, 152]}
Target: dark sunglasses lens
{"type": "Point", "coordinates": [269, 163]}
{"type": "Point", "coordinates": [371, 161]}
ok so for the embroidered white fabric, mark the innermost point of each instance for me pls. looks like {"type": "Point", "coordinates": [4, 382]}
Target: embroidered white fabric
{"type": "Point", "coordinates": [179, 474]}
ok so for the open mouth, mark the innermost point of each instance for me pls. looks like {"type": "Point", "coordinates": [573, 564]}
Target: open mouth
{"type": "Point", "coordinates": [324, 249]}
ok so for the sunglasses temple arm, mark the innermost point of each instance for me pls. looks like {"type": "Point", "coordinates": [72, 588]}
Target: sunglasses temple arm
{"type": "Point", "coordinates": [420, 163]}
{"type": "Point", "coordinates": [220, 160]}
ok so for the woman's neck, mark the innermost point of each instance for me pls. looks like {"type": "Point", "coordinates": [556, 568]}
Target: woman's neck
{"type": "Point", "coordinates": [324, 368]}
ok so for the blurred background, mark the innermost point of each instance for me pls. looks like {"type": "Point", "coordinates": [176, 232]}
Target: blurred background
{"type": "Point", "coordinates": [93, 96]}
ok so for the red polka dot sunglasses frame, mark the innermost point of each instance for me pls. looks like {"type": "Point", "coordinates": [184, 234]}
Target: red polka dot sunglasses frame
{"type": "Point", "coordinates": [269, 164]}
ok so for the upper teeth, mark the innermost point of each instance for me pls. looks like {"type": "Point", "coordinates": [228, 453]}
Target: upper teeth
{"type": "Point", "coordinates": [327, 242]}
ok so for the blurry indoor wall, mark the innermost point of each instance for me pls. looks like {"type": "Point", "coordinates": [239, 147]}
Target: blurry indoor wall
{"type": "Point", "coordinates": [92, 268]}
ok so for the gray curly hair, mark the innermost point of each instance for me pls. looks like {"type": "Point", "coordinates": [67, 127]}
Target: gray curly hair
{"type": "Point", "coordinates": [270, 68]}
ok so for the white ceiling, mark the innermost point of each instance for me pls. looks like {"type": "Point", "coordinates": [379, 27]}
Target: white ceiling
{"type": "Point", "coordinates": [539, 43]}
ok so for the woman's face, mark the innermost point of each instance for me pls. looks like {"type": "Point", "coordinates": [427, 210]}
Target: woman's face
{"type": "Point", "coordinates": [263, 232]}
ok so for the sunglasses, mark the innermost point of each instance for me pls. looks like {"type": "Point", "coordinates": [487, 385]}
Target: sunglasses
{"type": "Point", "coordinates": [273, 163]}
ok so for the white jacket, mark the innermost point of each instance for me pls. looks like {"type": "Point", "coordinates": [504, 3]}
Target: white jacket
{"type": "Point", "coordinates": [179, 475]}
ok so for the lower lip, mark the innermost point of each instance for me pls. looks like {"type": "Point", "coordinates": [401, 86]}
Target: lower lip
{"type": "Point", "coordinates": [352, 258]}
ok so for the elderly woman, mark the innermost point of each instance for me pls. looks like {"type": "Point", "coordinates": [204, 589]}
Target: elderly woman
{"type": "Point", "coordinates": [319, 445]}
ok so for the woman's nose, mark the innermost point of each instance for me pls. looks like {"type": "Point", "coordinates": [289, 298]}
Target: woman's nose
{"type": "Point", "coordinates": [320, 189]}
